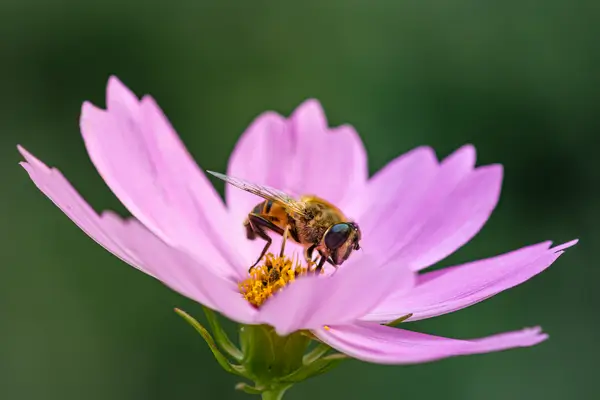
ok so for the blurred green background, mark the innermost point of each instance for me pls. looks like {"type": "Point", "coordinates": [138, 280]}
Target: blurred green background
{"type": "Point", "coordinates": [519, 79]}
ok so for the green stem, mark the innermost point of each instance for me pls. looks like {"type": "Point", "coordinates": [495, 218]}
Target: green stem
{"type": "Point", "coordinates": [275, 394]}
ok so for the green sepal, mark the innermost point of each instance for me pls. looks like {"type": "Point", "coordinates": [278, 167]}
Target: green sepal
{"type": "Point", "coordinates": [221, 337]}
{"type": "Point", "coordinates": [399, 320]}
{"type": "Point", "coordinates": [221, 359]}
{"type": "Point", "coordinates": [316, 353]}
{"type": "Point", "coordinates": [267, 355]}
{"type": "Point", "coordinates": [317, 367]}
{"type": "Point", "coordinates": [244, 387]}
{"type": "Point", "coordinates": [274, 363]}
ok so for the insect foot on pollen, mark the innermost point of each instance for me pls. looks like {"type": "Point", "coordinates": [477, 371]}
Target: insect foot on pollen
{"type": "Point", "coordinates": [275, 273]}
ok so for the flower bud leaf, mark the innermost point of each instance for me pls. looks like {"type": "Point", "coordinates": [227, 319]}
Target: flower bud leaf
{"type": "Point", "coordinates": [221, 359]}
{"type": "Point", "coordinates": [318, 367]}
{"type": "Point", "coordinates": [315, 353]}
{"type": "Point", "coordinates": [221, 337]}
{"type": "Point", "coordinates": [244, 387]}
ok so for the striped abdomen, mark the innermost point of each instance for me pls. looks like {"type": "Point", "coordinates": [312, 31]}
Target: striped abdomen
{"type": "Point", "coordinates": [277, 214]}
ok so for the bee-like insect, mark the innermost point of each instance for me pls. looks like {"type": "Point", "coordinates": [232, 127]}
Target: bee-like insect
{"type": "Point", "coordinates": [310, 221]}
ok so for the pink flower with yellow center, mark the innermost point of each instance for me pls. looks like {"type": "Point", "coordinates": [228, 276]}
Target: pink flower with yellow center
{"type": "Point", "coordinates": [412, 213]}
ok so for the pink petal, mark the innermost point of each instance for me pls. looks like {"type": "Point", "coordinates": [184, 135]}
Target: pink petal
{"type": "Point", "coordinates": [454, 288]}
{"type": "Point", "coordinates": [404, 194]}
{"type": "Point", "coordinates": [301, 155]}
{"type": "Point", "coordinates": [138, 247]}
{"type": "Point", "coordinates": [391, 198]}
{"type": "Point", "coordinates": [331, 163]}
{"type": "Point", "coordinates": [349, 293]}
{"type": "Point", "coordinates": [178, 269]}
{"type": "Point", "coordinates": [384, 345]}
{"type": "Point", "coordinates": [440, 209]}
{"type": "Point", "coordinates": [454, 222]}
{"type": "Point", "coordinates": [142, 160]}
{"type": "Point", "coordinates": [261, 156]}
{"type": "Point", "coordinates": [54, 185]}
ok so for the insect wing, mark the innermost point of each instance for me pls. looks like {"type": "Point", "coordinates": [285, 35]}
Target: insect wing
{"type": "Point", "coordinates": [263, 191]}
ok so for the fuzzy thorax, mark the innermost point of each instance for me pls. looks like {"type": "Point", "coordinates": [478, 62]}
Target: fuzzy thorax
{"type": "Point", "coordinates": [270, 277]}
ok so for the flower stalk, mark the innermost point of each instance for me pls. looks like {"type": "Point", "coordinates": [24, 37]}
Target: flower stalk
{"type": "Point", "coordinates": [275, 394]}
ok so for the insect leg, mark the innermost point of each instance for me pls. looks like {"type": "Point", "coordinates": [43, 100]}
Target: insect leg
{"type": "Point", "coordinates": [308, 252]}
{"type": "Point", "coordinates": [250, 233]}
{"type": "Point", "coordinates": [328, 260]}
{"type": "Point", "coordinates": [258, 225]}
{"type": "Point", "coordinates": [285, 234]}
{"type": "Point", "coordinates": [320, 265]}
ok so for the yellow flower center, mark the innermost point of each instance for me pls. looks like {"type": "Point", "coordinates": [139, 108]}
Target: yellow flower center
{"type": "Point", "coordinates": [270, 277]}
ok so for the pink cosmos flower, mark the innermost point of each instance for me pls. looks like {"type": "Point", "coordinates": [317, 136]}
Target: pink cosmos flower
{"type": "Point", "coordinates": [413, 213]}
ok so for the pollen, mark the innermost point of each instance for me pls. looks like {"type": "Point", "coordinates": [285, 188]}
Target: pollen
{"type": "Point", "coordinates": [270, 277]}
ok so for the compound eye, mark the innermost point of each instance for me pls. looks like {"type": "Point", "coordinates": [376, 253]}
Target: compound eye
{"type": "Point", "coordinates": [337, 235]}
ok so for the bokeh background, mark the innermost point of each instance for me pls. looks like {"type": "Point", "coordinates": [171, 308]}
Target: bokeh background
{"type": "Point", "coordinates": [518, 79]}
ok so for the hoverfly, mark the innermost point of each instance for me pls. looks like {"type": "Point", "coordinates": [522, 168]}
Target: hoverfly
{"type": "Point", "coordinates": [312, 222]}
